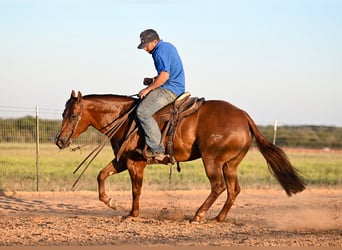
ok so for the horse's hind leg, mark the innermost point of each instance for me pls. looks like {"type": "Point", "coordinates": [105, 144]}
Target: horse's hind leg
{"type": "Point", "coordinates": [233, 187]}
{"type": "Point", "coordinates": [112, 168]}
{"type": "Point", "coordinates": [215, 176]}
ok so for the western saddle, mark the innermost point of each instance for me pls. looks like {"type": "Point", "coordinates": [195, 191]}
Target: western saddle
{"type": "Point", "coordinates": [182, 107]}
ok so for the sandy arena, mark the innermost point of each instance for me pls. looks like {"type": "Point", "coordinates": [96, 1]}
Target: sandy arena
{"type": "Point", "coordinates": [258, 218]}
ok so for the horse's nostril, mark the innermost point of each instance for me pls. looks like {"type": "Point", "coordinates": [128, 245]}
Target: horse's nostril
{"type": "Point", "coordinates": [60, 143]}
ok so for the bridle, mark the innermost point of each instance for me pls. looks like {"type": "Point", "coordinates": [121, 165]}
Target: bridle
{"type": "Point", "coordinates": [111, 128]}
{"type": "Point", "coordinates": [75, 119]}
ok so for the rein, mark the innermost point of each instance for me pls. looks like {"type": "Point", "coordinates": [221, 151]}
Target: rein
{"type": "Point", "coordinates": [79, 147]}
{"type": "Point", "coordinates": [112, 129]}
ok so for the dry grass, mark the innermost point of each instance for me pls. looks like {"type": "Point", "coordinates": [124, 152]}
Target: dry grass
{"type": "Point", "coordinates": [18, 170]}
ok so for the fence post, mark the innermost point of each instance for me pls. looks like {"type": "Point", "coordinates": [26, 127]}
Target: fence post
{"type": "Point", "coordinates": [275, 131]}
{"type": "Point", "coordinates": [37, 148]}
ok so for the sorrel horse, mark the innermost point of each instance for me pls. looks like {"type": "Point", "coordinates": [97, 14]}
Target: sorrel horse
{"type": "Point", "coordinates": [219, 133]}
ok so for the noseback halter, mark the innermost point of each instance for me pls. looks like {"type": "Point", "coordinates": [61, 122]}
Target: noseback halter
{"type": "Point", "coordinates": [75, 120]}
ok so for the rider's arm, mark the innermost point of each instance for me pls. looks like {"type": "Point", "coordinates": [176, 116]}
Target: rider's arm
{"type": "Point", "coordinates": [159, 80]}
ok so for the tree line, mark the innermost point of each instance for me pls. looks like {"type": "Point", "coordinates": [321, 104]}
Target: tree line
{"type": "Point", "coordinates": [23, 130]}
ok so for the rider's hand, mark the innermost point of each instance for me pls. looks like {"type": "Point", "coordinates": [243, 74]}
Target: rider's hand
{"type": "Point", "coordinates": [144, 92]}
{"type": "Point", "coordinates": [147, 81]}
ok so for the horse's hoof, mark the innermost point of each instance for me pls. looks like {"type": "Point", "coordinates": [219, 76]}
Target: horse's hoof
{"type": "Point", "coordinates": [129, 218]}
{"type": "Point", "coordinates": [113, 204]}
{"type": "Point", "coordinates": [197, 220]}
{"type": "Point", "coordinates": [216, 219]}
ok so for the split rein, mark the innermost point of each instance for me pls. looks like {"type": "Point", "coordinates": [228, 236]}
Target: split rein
{"type": "Point", "coordinates": [112, 128]}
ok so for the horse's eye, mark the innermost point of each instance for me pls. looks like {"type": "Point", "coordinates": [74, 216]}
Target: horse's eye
{"type": "Point", "coordinates": [73, 117]}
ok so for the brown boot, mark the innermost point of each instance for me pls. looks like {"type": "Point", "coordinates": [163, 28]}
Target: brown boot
{"type": "Point", "coordinates": [155, 155]}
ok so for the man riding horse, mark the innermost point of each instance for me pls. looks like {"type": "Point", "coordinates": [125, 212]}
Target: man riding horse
{"type": "Point", "coordinates": [222, 145]}
{"type": "Point", "coordinates": [160, 91]}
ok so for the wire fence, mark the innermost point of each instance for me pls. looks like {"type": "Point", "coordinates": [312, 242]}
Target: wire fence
{"type": "Point", "coordinates": [22, 125]}
{"type": "Point", "coordinates": [19, 125]}
{"type": "Point", "coordinates": [32, 127]}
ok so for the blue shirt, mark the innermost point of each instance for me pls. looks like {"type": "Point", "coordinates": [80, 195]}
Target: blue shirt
{"type": "Point", "coordinates": [166, 58]}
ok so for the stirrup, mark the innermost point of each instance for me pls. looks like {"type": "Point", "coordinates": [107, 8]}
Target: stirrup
{"type": "Point", "coordinates": [158, 157]}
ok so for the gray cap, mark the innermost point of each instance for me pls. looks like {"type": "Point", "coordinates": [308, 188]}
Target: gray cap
{"type": "Point", "coordinates": [146, 37]}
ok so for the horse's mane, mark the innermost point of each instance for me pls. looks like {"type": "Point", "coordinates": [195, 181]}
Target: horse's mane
{"type": "Point", "coordinates": [110, 97]}
{"type": "Point", "coordinates": [106, 96]}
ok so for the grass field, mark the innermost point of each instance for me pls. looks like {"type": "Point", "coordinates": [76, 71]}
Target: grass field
{"type": "Point", "coordinates": [18, 170]}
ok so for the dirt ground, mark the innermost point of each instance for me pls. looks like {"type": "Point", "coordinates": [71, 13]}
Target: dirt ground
{"type": "Point", "coordinates": [258, 218]}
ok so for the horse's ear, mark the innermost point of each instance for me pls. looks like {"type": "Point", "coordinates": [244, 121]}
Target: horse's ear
{"type": "Point", "coordinates": [73, 94]}
{"type": "Point", "coordinates": [79, 96]}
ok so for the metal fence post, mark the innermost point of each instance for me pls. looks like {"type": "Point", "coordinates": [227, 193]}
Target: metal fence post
{"type": "Point", "coordinates": [37, 148]}
{"type": "Point", "coordinates": [275, 131]}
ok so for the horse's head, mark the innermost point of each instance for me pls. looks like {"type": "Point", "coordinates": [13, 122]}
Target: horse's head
{"type": "Point", "coordinates": [73, 121]}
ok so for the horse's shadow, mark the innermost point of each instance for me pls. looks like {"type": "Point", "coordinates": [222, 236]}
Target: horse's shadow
{"type": "Point", "coordinates": [13, 205]}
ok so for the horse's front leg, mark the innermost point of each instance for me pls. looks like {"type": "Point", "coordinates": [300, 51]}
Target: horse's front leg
{"type": "Point", "coordinates": [113, 167]}
{"type": "Point", "coordinates": [136, 172]}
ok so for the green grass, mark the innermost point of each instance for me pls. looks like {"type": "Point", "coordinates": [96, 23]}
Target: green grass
{"type": "Point", "coordinates": [18, 170]}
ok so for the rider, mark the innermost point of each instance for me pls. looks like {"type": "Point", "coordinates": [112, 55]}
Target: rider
{"type": "Point", "coordinates": [161, 89]}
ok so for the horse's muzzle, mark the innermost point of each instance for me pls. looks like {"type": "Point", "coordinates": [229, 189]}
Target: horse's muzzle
{"type": "Point", "coordinates": [61, 143]}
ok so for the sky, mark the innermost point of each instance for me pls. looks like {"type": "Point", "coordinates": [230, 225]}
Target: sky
{"type": "Point", "coordinates": [276, 59]}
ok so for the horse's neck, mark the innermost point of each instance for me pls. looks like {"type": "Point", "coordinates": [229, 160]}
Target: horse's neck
{"type": "Point", "coordinates": [104, 110]}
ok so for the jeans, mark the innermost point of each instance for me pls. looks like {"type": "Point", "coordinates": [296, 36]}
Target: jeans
{"type": "Point", "coordinates": [154, 101]}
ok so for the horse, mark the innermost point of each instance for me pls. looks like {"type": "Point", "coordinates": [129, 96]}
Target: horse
{"type": "Point", "coordinates": [219, 133]}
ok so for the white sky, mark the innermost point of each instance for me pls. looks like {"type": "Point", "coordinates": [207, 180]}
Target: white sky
{"type": "Point", "coordinates": [275, 59]}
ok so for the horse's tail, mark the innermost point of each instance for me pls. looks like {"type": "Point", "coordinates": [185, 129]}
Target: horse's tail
{"type": "Point", "coordinates": [278, 162]}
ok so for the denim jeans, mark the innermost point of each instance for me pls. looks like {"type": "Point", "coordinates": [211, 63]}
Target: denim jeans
{"type": "Point", "coordinates": [154, 101]}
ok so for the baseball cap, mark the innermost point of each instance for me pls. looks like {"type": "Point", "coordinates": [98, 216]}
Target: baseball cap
{"type": "Point", "coordinates": [146, 37]}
